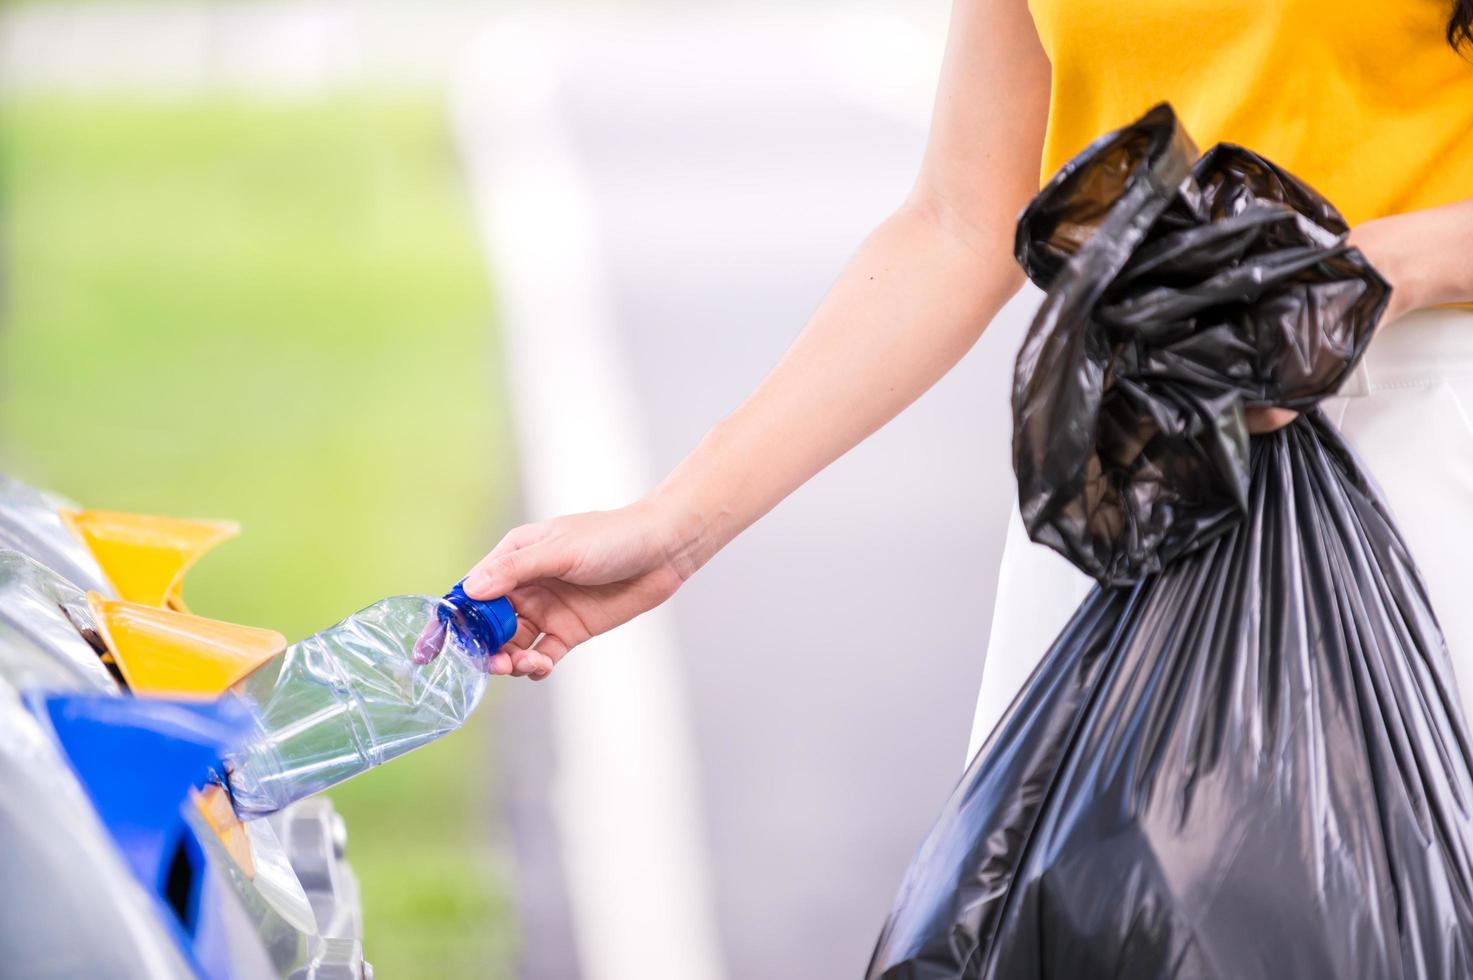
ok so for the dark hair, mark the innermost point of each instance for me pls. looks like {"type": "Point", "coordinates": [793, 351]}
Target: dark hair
{"type": "Point", "coordinates": [1460, 27]}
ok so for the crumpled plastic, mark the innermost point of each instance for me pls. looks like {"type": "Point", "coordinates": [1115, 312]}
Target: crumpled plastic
{"type": "Point", "coordinates": [1205, 288]}
{"type": "Point", "coordinates": [390, 678]}
{"type": "Point", "coordinates": [30, 523]}
{"type": "Point", "coordinates": [1251, 763]}
{"type": "Point", "coordinates": [46, 630]}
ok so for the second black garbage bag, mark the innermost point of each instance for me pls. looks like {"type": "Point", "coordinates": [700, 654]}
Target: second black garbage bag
{"type": "Point", "coordinates": [1243, 757]}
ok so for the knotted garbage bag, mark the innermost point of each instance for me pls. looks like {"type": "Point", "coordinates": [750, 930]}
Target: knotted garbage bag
{"type": "Point", "coordinates": [1243, 757]}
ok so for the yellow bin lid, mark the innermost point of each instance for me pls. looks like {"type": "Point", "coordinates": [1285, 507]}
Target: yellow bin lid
{"type": "Point", "coordinates": [143, 556]}
{"type": "Point", "coordinates": [166, 653]}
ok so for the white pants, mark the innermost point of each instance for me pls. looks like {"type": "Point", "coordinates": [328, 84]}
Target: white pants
{"type": "Point", "coordinates": [1407, 411]}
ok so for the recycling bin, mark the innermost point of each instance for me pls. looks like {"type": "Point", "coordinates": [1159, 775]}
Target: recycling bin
{"type": "Point", "coordinates": [122, 859]}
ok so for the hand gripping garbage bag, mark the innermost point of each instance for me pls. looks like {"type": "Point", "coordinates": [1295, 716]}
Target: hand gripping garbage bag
{"type": "Point", "coordinates": [1243, 757]}
{"type": "Point", "coordinates": [1178, 295]}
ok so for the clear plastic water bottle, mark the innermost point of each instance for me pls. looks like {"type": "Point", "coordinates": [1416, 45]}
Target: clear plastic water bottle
{"type": "Point", "coordinates": [390, 678]}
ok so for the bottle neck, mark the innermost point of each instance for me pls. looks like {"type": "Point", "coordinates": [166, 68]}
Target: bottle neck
{"type": "Point", "coordinates": [483, 626]}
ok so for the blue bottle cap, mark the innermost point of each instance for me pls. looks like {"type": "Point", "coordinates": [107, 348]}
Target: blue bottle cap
{"type": "Point", "coordinates": [483, 626]}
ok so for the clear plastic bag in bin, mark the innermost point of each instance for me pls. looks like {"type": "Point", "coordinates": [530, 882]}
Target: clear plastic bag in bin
{"type": "Point", "coordinates": [388, 679]}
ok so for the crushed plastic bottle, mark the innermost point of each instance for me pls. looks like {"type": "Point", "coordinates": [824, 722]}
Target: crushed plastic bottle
{"type": "Point", "coordinates": [388, 679]}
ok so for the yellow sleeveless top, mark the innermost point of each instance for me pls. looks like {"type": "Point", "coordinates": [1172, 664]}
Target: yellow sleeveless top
{"type": "Point", "coordinates": [1362, 99]}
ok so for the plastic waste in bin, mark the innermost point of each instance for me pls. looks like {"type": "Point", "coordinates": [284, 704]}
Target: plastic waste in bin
{"type": "Point", "coordinates": [388, 679]}
{"type": "Point", "coordinates": [213, 804]}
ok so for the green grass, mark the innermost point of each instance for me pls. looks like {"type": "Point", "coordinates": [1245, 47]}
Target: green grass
{"type": "Point", "coordinates": [277, 313]}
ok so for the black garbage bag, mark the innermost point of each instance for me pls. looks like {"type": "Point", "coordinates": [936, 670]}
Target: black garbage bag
{"type": "Point", "coordinates": [1203, 289]}
{"type": "Point", "coordinates": [1243, 757]}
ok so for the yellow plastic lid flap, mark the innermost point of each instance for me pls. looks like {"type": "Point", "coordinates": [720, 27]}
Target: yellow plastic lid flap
{"type": "Point", "coordinates": [143, 556]}
{"type": "Point", "coordinates": [166, 653]}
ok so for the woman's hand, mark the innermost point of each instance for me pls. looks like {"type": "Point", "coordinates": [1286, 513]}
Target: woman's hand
{"type": "Point", "coordinates": [575, 577]}
{"type": "Point", "coordinates": [1384, 244]}
{"type": "Point", "coordinates": [1391, 246]}
{"type": "Point", "coordinates": [1269, 419]}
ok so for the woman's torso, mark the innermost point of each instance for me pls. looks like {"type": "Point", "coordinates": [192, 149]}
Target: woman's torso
{"type": "Point", "coordinates": [1363, 99]}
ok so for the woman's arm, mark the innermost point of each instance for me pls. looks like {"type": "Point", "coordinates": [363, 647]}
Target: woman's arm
{"type": "Point", "coordinates": [1426, 255]}
{"type": "Point", "coordinates": [912, 300]}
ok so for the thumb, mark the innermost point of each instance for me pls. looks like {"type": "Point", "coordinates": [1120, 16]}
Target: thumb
{"type": "Point", "coordinates": [496, 575]}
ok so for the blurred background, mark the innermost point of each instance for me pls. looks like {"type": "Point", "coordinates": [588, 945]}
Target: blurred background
{"type": "Point", "coordinates": [382, 279]}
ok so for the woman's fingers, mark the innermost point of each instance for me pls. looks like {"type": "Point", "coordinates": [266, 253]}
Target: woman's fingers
{"type": "Point", "coordinates": [523, 536]}
{"type": "Point", "coordinates": [526, 632]}
{"type": "Point", "coordinates": [500, 662]}
{"type": "Point", "coordinates": [546, 610]}
{"type": "Point", "coordinates": [538, 659]}
{"type": "Point", "coordinates": [541, 639]}
{"type": "Point", "coordinates": [518, 537]}
{"type": "Point", "coordinates": [529, 653]}
{"type": "Point", "coordinates": [1262, 420]}
{"type": "Point", "coordinates": [555, 649]}
{"type": "Point", "coordinates": [546, 627]}
{"type": "Point", "coordinates": [539, 642]}
{"type": "Point", "coordinates": [497, 575]}
{"type": "Point", "coordinates": [531, 660]}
